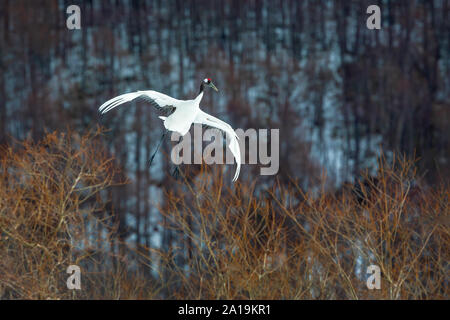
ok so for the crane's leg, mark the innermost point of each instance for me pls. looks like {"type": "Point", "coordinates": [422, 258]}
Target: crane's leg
{"type": "Point", "coordinates": [157, 148]}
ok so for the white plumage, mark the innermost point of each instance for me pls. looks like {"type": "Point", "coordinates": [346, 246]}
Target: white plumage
{"type": "Point", "coordinates": [186, 113]}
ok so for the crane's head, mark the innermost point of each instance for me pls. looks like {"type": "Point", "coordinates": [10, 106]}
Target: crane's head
{"type": "Point", "coordinates": [208, 82]}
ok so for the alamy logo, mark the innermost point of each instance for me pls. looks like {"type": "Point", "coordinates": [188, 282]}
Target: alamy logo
{"type": "Point", "coordinates": [73, 22]}
{"type": "Point", "coordinates": [374, 280]}
{"type": "Point", "coordinates": [74, 280]}
{"type": "Point", "coordinates": [374, 21]}
{"type": "Point", "coordinates": [259, 143]}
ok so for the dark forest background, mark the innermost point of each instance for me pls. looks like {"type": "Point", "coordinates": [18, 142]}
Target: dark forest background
{"type": "Point", "coordinates": [340, 93]}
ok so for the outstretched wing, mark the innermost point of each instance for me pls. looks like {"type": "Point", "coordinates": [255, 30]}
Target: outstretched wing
{"type": "Point", "coordinates": [157, 99]}
{"type": "Point", "coordinates": [209, 120]}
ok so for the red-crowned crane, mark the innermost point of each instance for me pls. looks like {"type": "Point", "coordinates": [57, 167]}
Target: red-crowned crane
{"type": "Point", "coordinates": [184, 114]}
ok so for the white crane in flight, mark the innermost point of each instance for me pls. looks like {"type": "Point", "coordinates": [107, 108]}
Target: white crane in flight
{"type": "Point", "coordinates": [183, 114]}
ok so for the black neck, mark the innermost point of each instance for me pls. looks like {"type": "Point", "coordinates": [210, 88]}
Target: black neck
{"type": "Point", "coordinates": [201, 88]}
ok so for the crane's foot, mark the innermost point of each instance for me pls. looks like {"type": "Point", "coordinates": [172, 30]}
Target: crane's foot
{"type": "Point", "coordinates": [176, 172]}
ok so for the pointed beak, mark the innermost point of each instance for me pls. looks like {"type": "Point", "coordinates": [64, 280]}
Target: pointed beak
{"type": "Point", "coordinates": [214, 87]}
